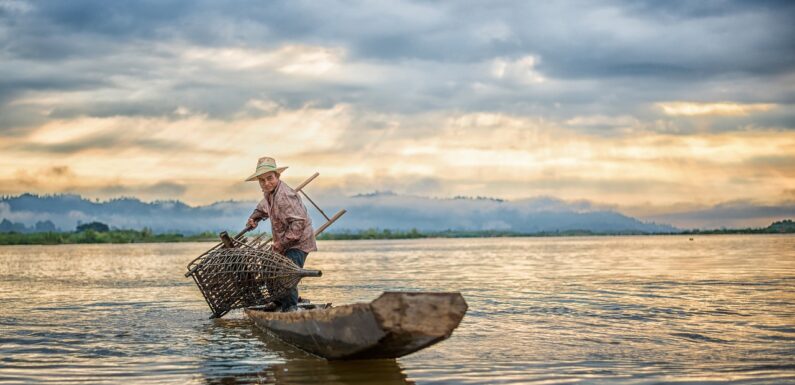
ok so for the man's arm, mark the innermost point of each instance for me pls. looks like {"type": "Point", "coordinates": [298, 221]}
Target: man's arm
{"type": "Point", "coordinates": [258, 215]}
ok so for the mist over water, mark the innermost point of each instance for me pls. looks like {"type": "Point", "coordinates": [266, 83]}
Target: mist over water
{"type": "Point", "coordinates": [612, 310]}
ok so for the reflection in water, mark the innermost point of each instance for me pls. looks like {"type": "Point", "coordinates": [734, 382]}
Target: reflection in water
{"type": "Point", "coordinates": [375, 372]}
{"type": "Point", "coordinates": [228, 352]}
{"type": "Point", "coordinates": [617, 310]}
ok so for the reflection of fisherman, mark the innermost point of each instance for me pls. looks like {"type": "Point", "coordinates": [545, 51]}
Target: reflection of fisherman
{"type": "Point", "coordinates": [290, 224]}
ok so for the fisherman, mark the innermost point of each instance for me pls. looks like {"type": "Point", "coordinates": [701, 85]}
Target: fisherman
{"type": "Point", "coordinates": [291, 226]}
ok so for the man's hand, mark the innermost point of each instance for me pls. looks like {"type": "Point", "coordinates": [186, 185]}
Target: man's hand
{"type": "Point", "coordinates": [251, 223]}
{"type": "Point", "coordinates": [277, 247]}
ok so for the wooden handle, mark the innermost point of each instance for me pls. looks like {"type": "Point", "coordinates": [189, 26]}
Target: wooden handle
{"type": "Point", "coordinates": [306, 182]}
{"type": "Point", "coordinates": [243, 232]}
{"type": "Point", "coordinates": [330, 221]}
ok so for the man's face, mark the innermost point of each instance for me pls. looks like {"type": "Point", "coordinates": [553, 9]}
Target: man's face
{"type": "Point", "coordinates": [268, 181]}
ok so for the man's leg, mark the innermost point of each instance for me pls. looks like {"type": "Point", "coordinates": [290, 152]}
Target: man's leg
{"type": "Point", "coordinates": [291, 299]}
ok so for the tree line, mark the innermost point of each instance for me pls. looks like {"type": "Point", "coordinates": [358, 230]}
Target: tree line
{"type": "Point", "coordinates": [97, 232]}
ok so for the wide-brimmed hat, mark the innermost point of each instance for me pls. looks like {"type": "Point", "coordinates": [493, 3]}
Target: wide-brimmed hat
{"type": "Point", "coordinates": [264, 165]}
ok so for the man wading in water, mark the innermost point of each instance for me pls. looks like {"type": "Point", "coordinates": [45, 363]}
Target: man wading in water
{"type": "Point", "coordinates": [291, 227]}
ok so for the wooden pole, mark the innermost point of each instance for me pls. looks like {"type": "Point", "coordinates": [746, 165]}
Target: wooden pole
{"type": "Point", "coordinates": [306, 182]}
{"type": "Point", "coordinates": [330, 221]}
{"type": "Point", "coordinates": [315, 204]}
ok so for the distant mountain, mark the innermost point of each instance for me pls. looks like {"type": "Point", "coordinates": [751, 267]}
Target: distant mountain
{"type": "Point", "coordinates": [67, 211]}
{"type": "Point", "coordinates": [377, 210]}
{"type": "Point", "coordinates": [392, 211]}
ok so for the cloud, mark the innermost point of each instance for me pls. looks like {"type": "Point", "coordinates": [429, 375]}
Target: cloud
{"type": "Point", "coordinates": [160, 189]}
{"type": "Point", "coordinates": [398, 57]}
{"type": "Point", "coordinates": [611, 101]}
{"type": "Point", "coordinates": [356, 151]}
{"type": "Point", "coordinates": [695, 109]}
{"type": "Point", "coordinates": [62, 178]}
{"type": "Point", "coordinates": [735, 214]}
{"type": "Point", "coordinates": [297, 60]}
{"type": "Point", "coordinates": [32, 179]}
{"type": "Point", "coordinates": [522, 70]}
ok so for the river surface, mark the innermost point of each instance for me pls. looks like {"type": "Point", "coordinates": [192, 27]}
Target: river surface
{"type": "Point", "coordinates": [604, 310]}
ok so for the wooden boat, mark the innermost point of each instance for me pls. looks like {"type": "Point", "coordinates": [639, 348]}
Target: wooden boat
{"type": "Point", "coordinates": [393, 325]}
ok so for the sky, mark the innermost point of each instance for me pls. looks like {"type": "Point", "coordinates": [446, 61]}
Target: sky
{"type": "Point", "coordinates": [672, 110]}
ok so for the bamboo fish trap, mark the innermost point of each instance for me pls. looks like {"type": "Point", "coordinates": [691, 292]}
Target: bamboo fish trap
{"type": "Point", "coordinates": [241, 273]}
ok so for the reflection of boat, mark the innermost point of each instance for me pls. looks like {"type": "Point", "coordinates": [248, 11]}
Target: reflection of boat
{"type": "Point", "coordinates": [227, 359]}
{"type": "Point", "coordinates": [393, 325]}
{"type": "Point", "coordinates": [314, 371]}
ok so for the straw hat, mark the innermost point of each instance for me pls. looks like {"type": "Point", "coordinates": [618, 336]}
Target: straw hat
{"type": "Point", "coordinates": [265, 165]}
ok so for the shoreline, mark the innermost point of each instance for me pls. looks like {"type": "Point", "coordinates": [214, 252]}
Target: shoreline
{"type": "Point", "coordinates": [132, 236]}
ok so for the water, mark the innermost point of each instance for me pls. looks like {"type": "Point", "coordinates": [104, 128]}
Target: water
{"type": "Point", "coordinates": [612, 310]}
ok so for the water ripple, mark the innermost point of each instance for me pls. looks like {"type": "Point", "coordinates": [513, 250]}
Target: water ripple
{"type": "Point", "coordinates": [604, 310]}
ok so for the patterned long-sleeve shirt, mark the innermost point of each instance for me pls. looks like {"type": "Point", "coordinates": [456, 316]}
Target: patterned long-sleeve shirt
{"type": "Point", "coordinates": [290, 223]}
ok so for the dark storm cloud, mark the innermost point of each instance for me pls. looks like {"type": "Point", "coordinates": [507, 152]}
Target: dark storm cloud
{"type": "Point", "coordinates": [589, 39]}
{"type": "Point", "coordinates": [13, 84]}
{"type": "Point", "coordinates": [607, 58]}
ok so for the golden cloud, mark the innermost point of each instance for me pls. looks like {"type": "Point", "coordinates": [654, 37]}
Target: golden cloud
{"type": "Point", "coordinates": [488, 154]}
{"type": "Point", "coordinates": [724, 108]}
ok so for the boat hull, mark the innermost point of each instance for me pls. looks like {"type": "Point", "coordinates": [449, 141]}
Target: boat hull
{"type": "Point", "coordinates": [393, 325]}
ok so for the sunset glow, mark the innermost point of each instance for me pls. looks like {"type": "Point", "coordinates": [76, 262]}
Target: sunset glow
{"type": "Point", "coordinates": [482, 108]}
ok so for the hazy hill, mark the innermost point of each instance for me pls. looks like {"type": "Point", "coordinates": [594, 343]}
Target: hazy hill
{"type": "Point", "coordinates": [376, 210]}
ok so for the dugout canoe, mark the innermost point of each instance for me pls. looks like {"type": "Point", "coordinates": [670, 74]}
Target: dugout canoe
{"type": "Point", "coordinates": [393, 325]}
